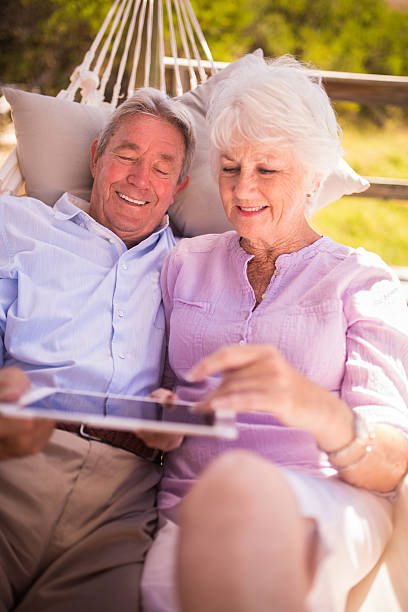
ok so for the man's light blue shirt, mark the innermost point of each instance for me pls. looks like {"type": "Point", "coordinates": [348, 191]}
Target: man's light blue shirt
{"type": "Point", "coordinates": [77, 308]}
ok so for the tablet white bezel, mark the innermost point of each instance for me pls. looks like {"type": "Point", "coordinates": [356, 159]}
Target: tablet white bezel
{"type": "Point", "coordinates": [224, 422]}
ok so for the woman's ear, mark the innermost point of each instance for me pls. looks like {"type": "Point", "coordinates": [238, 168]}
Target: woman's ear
{"type": "Point", "coordinates": [313, 186]}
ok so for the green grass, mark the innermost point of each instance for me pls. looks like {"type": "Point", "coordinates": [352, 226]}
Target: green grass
{"type": "Point", "coordinates": [377, 225]}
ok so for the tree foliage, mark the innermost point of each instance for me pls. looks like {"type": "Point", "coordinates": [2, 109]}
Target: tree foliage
{"type": "Point", "coordinates": [41, 41]}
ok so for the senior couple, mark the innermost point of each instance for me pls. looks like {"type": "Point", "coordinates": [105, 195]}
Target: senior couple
{"type": "Point", "coordinates": [304, 338]}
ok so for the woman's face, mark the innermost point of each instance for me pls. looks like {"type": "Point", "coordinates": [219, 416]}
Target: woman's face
{"type": "Point", "coordinates": [263, 191]}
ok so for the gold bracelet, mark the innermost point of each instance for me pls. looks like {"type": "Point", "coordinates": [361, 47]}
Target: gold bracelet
{"type": "Point", "coordinates": [364, 438]}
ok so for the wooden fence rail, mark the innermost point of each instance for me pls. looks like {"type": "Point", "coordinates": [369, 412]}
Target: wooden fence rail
{"type": "Point", "coordinates": [372, 89]}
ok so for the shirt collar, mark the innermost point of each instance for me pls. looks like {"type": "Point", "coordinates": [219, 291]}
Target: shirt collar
{"type": "Point", "coordinates": [70, 207]}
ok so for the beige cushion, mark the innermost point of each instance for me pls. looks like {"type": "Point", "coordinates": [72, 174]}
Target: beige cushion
{"type": "Point", "coordinates": [53, 139]}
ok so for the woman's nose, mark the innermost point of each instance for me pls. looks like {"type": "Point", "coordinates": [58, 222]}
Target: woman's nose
{"type": "Point", "coordinates": [244, 186]}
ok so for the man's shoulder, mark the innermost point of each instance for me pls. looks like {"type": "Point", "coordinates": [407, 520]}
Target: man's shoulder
{"type": "Point", "coordinates": [23, 209]}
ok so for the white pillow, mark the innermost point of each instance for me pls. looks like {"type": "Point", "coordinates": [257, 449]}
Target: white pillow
{"type": "Point", "coordinates": [53, 139]}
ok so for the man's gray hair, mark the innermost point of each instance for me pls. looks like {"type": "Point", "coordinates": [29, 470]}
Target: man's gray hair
{"type": "Point", "coordinates": [152, 102]}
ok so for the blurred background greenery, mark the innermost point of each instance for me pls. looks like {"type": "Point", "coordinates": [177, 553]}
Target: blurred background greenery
{"type": "Point", "coordinates": [41, 42]}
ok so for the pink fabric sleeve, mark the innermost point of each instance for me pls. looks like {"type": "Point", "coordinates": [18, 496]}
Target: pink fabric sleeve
{"type": "Point", "coordinates": [376, 372]}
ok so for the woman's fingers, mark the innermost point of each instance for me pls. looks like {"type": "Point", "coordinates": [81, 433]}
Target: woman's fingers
{"type": "Point", "coordinates": [255, 378]}
{"type": "Point", "coordinates": [231, 358]}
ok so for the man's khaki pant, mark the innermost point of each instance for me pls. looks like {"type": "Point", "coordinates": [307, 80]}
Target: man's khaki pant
{"type": "Point", "coordinates": [76, 522]}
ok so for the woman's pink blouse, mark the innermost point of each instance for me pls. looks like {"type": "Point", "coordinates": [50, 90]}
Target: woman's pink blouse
{"type": "Point", "coordinates": [336, 313]}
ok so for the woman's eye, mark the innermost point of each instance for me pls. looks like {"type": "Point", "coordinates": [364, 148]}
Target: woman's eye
{"type": "Point", "coordinates": [266, 171]}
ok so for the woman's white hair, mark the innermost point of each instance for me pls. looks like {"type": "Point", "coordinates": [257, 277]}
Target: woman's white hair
{"type": "Point", "coordinates": [278, 103]}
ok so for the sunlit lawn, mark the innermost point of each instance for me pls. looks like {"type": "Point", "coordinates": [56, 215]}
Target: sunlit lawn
{"type": "Point", "coordinates": [377, 225]}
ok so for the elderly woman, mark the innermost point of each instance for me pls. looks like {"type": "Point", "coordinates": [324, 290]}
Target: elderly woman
{"type": "Point", "coordinates": [307, 340]}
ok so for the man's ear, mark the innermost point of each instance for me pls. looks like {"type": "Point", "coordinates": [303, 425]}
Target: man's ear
{"type": "Point", "coordinates": [93, 156]}
{"type": "Point", "coordinates": [181, 186]}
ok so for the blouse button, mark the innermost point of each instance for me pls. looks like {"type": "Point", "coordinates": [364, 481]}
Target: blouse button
{"type": "Point", "coordinates": [241, 342]}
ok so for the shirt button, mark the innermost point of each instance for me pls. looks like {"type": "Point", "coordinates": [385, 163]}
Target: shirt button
{"type": "Point", "coordinates": [241, 342]}
{"type": "Point", "coordinates": [276, 272]}
{"type": "Point", "coordinates": [121, 313]}
{"type": "Point", "coordinates": [263, 296]}
{"type": "Point", "coordinates": [122, 356]}
{"type": "Point", "coordinates": [111, 240]}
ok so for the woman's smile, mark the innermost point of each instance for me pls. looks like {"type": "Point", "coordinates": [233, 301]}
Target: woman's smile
{"type": "Point", "coordinates": [249, 211]}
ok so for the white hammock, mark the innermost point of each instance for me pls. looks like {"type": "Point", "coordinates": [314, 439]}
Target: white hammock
{"type": "Point", "coordinates": [133, 34]}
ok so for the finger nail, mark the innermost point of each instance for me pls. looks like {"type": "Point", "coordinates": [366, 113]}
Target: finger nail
{"type": "Point", "coordinates": [218, 404]}
{"type": "Point", "coordinates": [191, 375]}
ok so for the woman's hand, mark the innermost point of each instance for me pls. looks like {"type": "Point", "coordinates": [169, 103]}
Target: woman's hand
{"type": "Point", "coordinates": [259, 378]}
{"type": "Point", "coordinates": [163, 441]}
{"type": "Point", "coordinates": [19, 437]}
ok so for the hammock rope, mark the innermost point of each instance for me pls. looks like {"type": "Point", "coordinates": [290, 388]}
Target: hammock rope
{"type": "Point", "coordinates": [135, 31]}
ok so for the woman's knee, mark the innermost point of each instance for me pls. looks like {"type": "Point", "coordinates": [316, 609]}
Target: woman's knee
{"type": "Point", "coordinates": [239, 483]}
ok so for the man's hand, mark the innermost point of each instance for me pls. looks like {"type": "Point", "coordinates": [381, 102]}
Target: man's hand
{"type": "Point", "coordinates": [3, 190]}
{"type": "Point", "coordinates": [163, 441]}
{"type": "Point", "coordinates": [19, 437]}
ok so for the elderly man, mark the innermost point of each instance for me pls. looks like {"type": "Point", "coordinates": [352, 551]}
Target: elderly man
{"type": "Point", "coordinates": [80, 307]}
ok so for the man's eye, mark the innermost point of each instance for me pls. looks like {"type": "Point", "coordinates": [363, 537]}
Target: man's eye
{"type": "Point", "coordinates": [162, 172]}
{"type": "Point", "coordinates": [230, 169]}
{"type": "Point", "coordinates": [125, 158]}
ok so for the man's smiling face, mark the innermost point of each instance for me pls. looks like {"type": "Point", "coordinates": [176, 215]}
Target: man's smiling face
{"type": "Point", "coordinates": [136, 177]}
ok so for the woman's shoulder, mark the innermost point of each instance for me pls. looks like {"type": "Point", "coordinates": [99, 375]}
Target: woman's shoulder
{"type": "Point", "coordinates": [357, 259]}
{"type": "Point", "coordinates": [205, 243]}
{"type": "Point", "coordinates": [362, 275]}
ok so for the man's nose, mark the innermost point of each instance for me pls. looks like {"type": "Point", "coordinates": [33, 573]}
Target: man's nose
{"type": "Point", "coordinates": [139, 174]}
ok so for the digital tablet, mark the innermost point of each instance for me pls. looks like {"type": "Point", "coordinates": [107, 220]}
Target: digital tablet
{"type": "Point", "coordinates": [122, 412]}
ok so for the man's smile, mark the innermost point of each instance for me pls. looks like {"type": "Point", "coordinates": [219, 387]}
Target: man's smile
{"type": "Point", "coordinates": [131, 200]}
